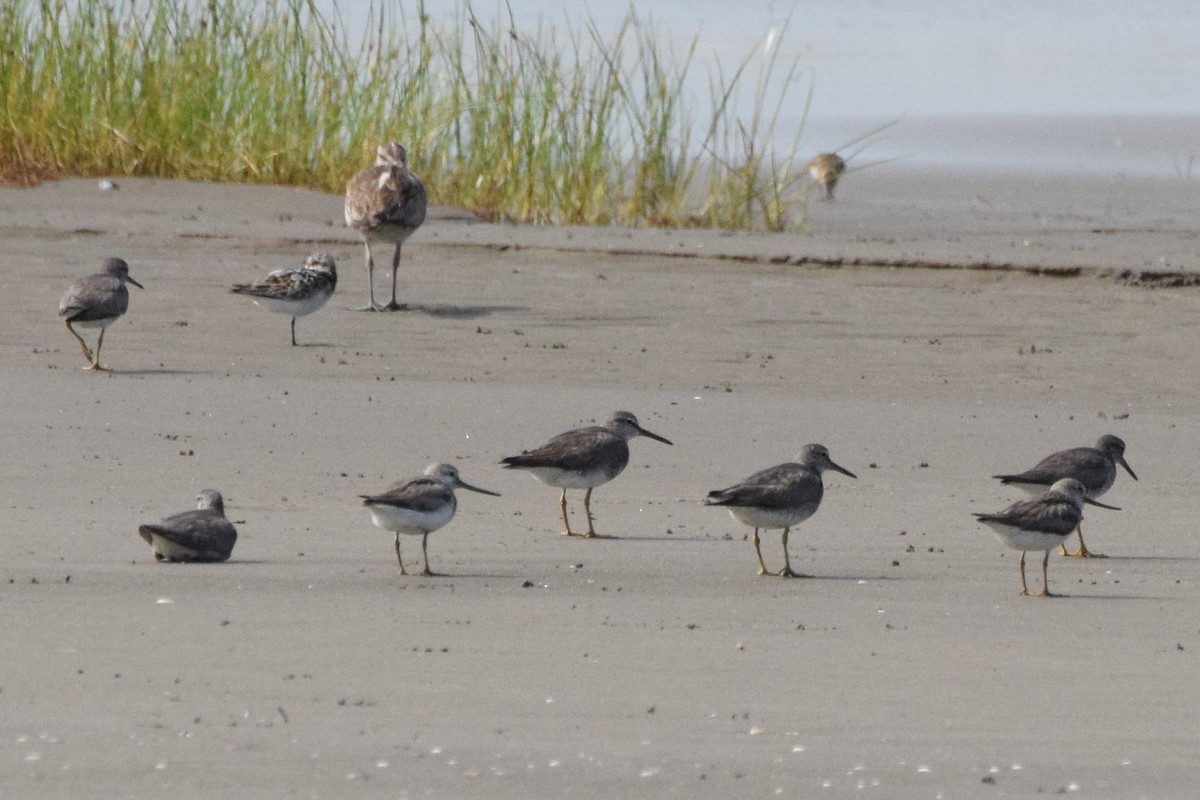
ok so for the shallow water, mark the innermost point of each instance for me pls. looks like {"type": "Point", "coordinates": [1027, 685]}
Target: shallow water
{"type": "Point", "coordinates": [935, 65]}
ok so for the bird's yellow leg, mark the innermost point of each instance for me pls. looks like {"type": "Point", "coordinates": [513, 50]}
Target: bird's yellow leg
{"type": "Point", "coordinates": [1045, 581]}
{"type": "Point", "coordinates": [762, 568]}
{"type": "Point", "coordinates": [398, 559]}
{"type": "Point", "coordinates": [425, 555]}
{"type": "Point", "coordinates": [562, 506]}
{"type": "Point", "coordinates": [1024, 587]}
{"type": "Point", "coordinates": [95, 365]}
{"type": "Point", "coordinates": [787, 571]}
{"type": "Point", "coordinates": [87, 351]}
{"type": "Point", "coordinates": [587, 509]}
{"type": "Point", "coordinates": [1082, 552]}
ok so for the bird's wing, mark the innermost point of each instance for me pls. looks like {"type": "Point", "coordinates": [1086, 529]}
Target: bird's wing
{"type": "Point", "coordinates": [418, 494]}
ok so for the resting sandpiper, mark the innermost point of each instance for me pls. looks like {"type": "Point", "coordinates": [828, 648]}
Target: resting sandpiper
{"type": "Point", "coordinates": [419, 507]}
{"type": "Point", "coordinates": [779, 497]}
{"type": "Point", "coordinates": [200, 535]}
{"type": "Point", "coordinates": [1094, 467]}
{"type": "Point", "coordinates": [295, 292]}
{"type": "Point", "coordinates": [583, 459]}
{"type": "Point", "coordinates": [1041, 523]}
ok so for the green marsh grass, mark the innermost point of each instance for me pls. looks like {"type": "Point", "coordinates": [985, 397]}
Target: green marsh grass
{"type": "Point", "coordinates": [560, 125]}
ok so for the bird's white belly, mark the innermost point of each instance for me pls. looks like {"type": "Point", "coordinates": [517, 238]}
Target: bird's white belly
{"type": "Point", "coordinates": [771, 517]}
{"type": "Point", "coordinates": [293, 308]}
{"type": "Point", "coordinates": [1022, 539]}
{"type": "Point", "coordinates": [95, 323]}
{"type": "Point", "coordinates": [566, 479]}
{"type": "Point", "coordinates": [170, 550]}
{"type": "Point", "coordinates": [406, 520]}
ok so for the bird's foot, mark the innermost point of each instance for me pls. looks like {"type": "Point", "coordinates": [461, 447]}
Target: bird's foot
{"type": "Point", "coordinates": [788, 572]}
{"type": "Point", "coordinates": [1048, 593]}
{"type": "Point", "coordinates": [394, 306]}
{"type": "Point", "coordinates": [1083, 552]}
{"type": "Point", "coordinates": [370, 307]}
{"type": "Point", "coordinates": [594, 535]}
{"type": "Point", "coordinates": [95, 367]}
{"type": "Point", "coordinates": [428, 573]}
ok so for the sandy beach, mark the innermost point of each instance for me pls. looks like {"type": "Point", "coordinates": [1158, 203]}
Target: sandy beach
{"type": "Point", "coordinates": [930, 328]}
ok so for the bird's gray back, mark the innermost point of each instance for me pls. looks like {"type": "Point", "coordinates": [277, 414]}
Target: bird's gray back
{"type": "Point", "coordinates": [205, 530]}
{"type": "Point", "coordinates": [419, 494]}
{"type": "Point", "coordinates": [787, 485]}
{"type": "Point", "coordinates": [1048, 514]}
{"type": "Point", "coordinates": [94, 297]}
{"type": "Point", "coordinates": [578, 450]}
{"type": "Point", "coordinates": [1095, 469]}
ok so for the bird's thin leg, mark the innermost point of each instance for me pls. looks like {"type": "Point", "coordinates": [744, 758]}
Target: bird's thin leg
{"type": "Point", "coordinates": [293, 331]}
{"type": "Point", "coordinates": [87, 351]}
{"type": "Point", "coordinates": [762, 567]}
{"type": "Point", "coordinates": [587, 509]}
{"type": "Point", "coordinates": [787, 571]}
{"type": "Point", "coordinates": [95, 365]}
{"type": "Point", "coordinates": [425, 555]}
{"type": "Point", "coordinates": [370, 306]}
{"type": "Point", "coordinates": [1082, 552]}
{"type": "Point", "coordinates": [1024, 588]}
{"type": "Point", "coordinates": [562, 506]}
{"type": "Point", "coordinates": [398, 559]}
{"type": "Point", "coordinates": [1045, 581]}
{"type": "Point", "coordinates": [393, 305]}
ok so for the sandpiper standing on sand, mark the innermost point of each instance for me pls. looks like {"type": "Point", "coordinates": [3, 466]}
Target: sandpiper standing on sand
{"type": "Point", "coordinates": [385, 203]}
{"type": "Point", "coordinates": [779, 497]}
{"type": "Point", "coordinates": [583, 459]}
{"type": "Point", "coordinates": [1094, 467]}
{"type": "Point", "coordinates": [419, 507]}
{"type": "Point", "coordinates": [1041, 523]}
{"type": "Point", "coordinates": [295, 292]}
{"type": "Point", "coordinates": [199, 535]}
{"type": "Point", "coordinates": [97, 301]}
{"type": "Point", "coordinates": [827, 169]}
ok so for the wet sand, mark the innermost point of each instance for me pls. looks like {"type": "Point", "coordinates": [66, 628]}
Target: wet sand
{"type": "Point", "coordinates": [930, 328]}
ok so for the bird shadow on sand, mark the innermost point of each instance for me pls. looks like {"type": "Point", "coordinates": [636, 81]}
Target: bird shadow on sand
{"type": "Point", "coordinates": [155, 371]}
{"type": "Point", "coordinates": [1164, 559]}
{"type": "Point", "coordinates": [463, 312]}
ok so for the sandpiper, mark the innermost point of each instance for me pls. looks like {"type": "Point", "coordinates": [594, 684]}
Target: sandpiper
{"type": "Point", "coordinates": [419, 507]}
{"type": "Point", "coordinates": [385, 203]}
{"type": "Point", "coordinates": [200, 535]}
{"type": "Point", "coordinates": [1042, 523]}
{"type": "Point", "coordinates": [583, 459]}
{"type": "Point", "coordinates": [779, 497]}
{"type": "Point", "coordinates": [295, 292]}
{"type": "Point", "coordinates": [1094, 467]}
{"type": "Point", "coordinates": [97, 301]}
{"type": "Point", "coordinates": [826, 169]}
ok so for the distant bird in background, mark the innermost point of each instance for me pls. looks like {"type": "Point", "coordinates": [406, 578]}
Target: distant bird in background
{"type": "Point", "coordinates": [385, 203]}
{"type": "Point", "coordinates": [419, 507]}
{"type": "Point", "coordinates": [583, 458]}
{"type": "Point", "coordinates": [1094, 467]}
{"type": "Point", "coordinates": [1041, 523]}
{"type": "Point", "coordinates": [97, 301]}
{"type": "Point", "coordinates": [295, 292]}
{"type": "Point", "coordinates": [779, 497]}
{"type": "Point", "coordinates": [827, 169]}
{"type": "Point", "coordinates": [200, 535]}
